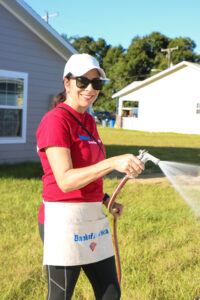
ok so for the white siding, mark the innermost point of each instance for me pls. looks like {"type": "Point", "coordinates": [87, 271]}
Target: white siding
{"type": "Point", "coordinates": [168, 104]}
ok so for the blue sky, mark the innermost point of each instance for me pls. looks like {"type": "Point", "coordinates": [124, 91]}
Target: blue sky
{"type": "Point", "coordinates": [118, 21]}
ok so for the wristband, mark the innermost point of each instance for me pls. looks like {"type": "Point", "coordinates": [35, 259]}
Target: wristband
{"type": "Point", "coordinates": [106, 197]}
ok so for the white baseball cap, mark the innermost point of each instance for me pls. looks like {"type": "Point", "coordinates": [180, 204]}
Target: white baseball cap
{"type": "Point", "coordinates": [79, 64]}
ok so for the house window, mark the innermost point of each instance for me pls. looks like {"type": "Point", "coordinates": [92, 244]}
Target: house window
{"type": "Point", "coordinates": [130, 108]}
{"type": "Point", "coordinates": [13, 103]}
{"type": "Point", "coordinates": [198, 108]}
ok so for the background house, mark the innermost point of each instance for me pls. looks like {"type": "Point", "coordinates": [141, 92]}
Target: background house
{"type": "Point", "coordinates": [166, 102]}
{"type": "Point", "coordinates": [32, 58]}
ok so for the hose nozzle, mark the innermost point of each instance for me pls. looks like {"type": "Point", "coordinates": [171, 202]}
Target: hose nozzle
{"type": "Point", "coordinates": [144, 156]}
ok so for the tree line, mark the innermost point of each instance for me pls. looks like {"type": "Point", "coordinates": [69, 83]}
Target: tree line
{"type": "Point", "coordinates": [143, 58]}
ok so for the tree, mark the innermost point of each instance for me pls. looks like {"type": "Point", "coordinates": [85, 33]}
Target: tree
{"type": "Point", "coordinates": [88, 45]}
{"type": "Point", "coordinates": [185, 50]}
{"type": "Point", "coordinates": [144, 54]}
{"type": "Point", "coordinates": [114, 66]}
{"type": "Point", "coordinates": [156, 42]}
{"type": "Point", "coordinates": [123, 66]}
{"type": "Point", "coordinates": [138, 62]}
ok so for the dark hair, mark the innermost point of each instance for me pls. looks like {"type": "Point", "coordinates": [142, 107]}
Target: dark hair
{"type": "Point", "coordinates": [60, 97]}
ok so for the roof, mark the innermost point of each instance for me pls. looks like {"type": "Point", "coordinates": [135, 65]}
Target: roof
{"type": "Point", "coordinates": [127, 89]}
{"type": "Point", "coordinates": [135, 85]}
{"type": "Point", "coordinates": [36, 24]}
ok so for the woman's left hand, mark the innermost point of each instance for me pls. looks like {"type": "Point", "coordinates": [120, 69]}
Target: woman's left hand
{"type": "Point", "coordinates": [119, 209]}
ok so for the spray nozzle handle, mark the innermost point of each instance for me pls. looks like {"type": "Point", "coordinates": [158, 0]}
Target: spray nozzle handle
{"type": "Point", "coordinates": [144, 156]}
{"type": "Point", "coordinates": [141, 154]}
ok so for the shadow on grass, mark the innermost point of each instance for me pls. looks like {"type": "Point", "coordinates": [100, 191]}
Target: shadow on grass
{"type": "Point", "coordinates": [26, 170]}
{"type": "Point", "coordinates": [184, 155]}
{"type": "Point", "coordinates": [175, 154]}
{"type": "Point", "coordinates": [30, 170]}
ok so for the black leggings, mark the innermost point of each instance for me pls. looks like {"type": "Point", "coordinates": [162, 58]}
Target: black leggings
{"type": "Point", "coordinates": [102, 275]}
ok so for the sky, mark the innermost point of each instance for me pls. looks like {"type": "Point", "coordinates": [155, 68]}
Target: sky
{"type": "Point", "coordinates": [119, 21]}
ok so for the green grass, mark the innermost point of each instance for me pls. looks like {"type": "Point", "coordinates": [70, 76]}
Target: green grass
{"type": "Point", "coordinates": [165, 146]}
{"type": "Point", "coordinates": [159, 236]}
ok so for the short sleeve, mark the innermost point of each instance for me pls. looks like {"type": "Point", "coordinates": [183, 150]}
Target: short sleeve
{"type": "Point", "coordinates": [53, 131]}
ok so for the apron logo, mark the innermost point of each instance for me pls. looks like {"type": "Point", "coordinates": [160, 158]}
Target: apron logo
{"type": "Point", "coordinates": [91, 236]}
{"type": "Point", "coordinates": [92, 246]}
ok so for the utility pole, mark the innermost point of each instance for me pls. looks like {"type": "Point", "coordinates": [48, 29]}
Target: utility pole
{"type": "Point", "coordinates": [169, 50]}
{"type": "Point", "coordinates": [47, 16]}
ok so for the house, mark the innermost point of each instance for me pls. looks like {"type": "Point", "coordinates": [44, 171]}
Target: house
{"type": "Point", "coordinates": [32, 59]}
{"type": "Point", "coordinates": [166, 102]}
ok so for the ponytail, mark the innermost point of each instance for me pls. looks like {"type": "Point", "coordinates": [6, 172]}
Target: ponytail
{"type": "Point", "coordinates": [59, 98]}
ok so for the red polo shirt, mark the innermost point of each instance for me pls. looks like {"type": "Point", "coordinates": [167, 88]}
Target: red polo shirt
{"type": "Point", "coordinates": [58, 128]}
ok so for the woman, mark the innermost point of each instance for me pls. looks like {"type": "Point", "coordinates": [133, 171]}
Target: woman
{"type": "Point", "coordinates": [76, 233]}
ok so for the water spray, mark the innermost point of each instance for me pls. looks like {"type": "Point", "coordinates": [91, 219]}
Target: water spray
{"type": "Point", "coordinates": [184, 177]}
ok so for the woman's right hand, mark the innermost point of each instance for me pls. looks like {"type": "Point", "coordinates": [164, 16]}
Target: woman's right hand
{"type": "Point", "coordinates": [129, 164]}
{"type": "Point", "coordinates": [69, 178]}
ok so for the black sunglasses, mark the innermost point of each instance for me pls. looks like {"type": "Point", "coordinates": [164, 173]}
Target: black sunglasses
{"type": "Point", "coordinates": [82, 82]}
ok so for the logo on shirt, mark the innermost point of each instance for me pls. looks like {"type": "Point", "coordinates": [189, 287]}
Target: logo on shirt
{"type": "Point", "coordinates": [92, 246]}
{"type": "Point", "coordinates": [84, 138]}
{"type": "Point", "coordinates": [88, 138]}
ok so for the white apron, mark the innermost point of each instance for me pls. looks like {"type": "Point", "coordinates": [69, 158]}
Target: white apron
{"type": "Point", "coordinates": [76, 234]}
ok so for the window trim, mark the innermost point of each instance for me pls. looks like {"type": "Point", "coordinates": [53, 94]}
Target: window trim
{"type": "Point", "coordinates": [198, 108]}
{"type": "Point", "coordinates": [22, 139]}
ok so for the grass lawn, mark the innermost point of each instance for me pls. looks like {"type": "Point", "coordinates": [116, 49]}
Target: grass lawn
{"type": "Point", "coordinates": [158, 234]}
{"type": "Point", "coordinates": [166, 146]}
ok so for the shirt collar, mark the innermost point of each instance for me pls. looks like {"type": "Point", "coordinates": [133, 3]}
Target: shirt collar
{"type": "Point", "coordinates": [79, 116]}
